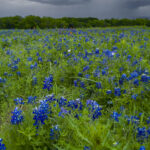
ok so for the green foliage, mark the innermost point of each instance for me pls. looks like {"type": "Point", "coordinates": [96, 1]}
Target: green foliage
{"type": "Point", "coordinates": [35, 22]}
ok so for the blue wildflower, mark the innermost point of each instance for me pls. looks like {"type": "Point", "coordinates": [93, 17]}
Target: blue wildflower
{"type": "Point", "coordinates": [82, 84]}
{"type": "Point", "coordinates": [18, 101]}
{"type": "Point", "coordinates": [16, 117]}
{"type": "Point", "coordinates": [86, 148]}
{"type": "Point", "coordinates": [142, 148]}
{"type": "Point", "coordinates": [144, 78]}
{"type": "Point", "coordinates": [86, 68]}
{"type": "Point", "coordinates": [97, 51]}
{"type": "Point", "coordinates": [2, 146]}
{"type": "Point", "coordinates": [117, 91]}
{"type": "Point", "coordinates": [50, 98]}
{"type": "Point", "coordinates": [62, 102]}
{"type": "Point", "coordinates": [40, 59]}
{"type": "Point", "coordinates": [142, 134]}
{"type": "Point", "coordinates": [2, 80]}
{"type": "Point", "coordinates": [54, 133]}
{"type": "Point", "coordinates": [41, 113]}
{"type": "Point", "coordinates": [108, 92]}
{"type": "Point", "coordinates": [94, 108]}
{"type": "Point", "coordinates": [29, 58]}
{"type": "Point", "coordinates": [134, 96]}
{"type": "Point", "coordinates": [33, 66]}
{"type": "Point", "coordinates": [103, 72]}
{"type": "Point", "coordinates": [74, 104]}
{"type": "Point", "coordinates": [63, 112]}
{"type": "Point", "coordinates": [136, 82]}
{"type": "Point", "coordinates": [48, 83]}
{"type": "Point", "coordinates": [34, 81]}
{"type": "Point", "coordinates": [115, 116]}
{"type": "Point", "coordinates": [31, 99]}
{"type": "Point", "coordinates": [148, 120]}
{"type": "Point", "coordinates": [98, 85]}
{"type": "Point", "coordinates": [75, 83]}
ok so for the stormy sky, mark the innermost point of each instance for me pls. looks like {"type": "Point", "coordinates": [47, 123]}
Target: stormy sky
{"type": "Point", "coordinates": [76, 8]}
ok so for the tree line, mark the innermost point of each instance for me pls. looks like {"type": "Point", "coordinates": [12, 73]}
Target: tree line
{"type": "Point", "coordinates": [31, 22]}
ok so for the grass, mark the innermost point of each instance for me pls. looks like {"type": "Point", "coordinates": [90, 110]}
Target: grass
{"type": "Point", "coordinates": [117, 59]}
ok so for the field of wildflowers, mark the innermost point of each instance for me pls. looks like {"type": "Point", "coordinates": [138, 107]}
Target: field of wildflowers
{"type": "Point", "coordinates": [83, 89]}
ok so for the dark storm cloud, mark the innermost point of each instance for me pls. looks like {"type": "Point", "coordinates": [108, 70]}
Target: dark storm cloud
{"type": "Point", "coordinates": [76, 8]}
{"type": "Point", "coordinates": [62, 2]}
{"type": "Point", "coordinates": [134, 4]}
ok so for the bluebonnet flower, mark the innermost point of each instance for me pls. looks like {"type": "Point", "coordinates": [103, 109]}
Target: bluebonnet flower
{"type": "Point", "coordinates": [82, 84]}
{"type": "Point", "coordinates": [148, 120]}
{"type": "Point", "coordinates": [34, 81]}
{"type": "Point", "coordinates": [14, 68]}
{"type": "Point", "coordinates": [133, 75]}
{"type": "Point", "coordinates": [29, 58]}
{"type": "Point", "coordinates": [108, 92]}
{"type": "Point", "coordinates": [121, 69]}
{"type": "Point", "coordinates": [114, 48]}
{"type": "Point", "coordinates": [103, 72]}
{"type": "Point", "coordinates": [33, 66]}
{"type": "Point", "coordinates": [2, 80]}
{"type": "Point", "coordinates": [5, 73]}
{"type": "Point", "coordinates": [142, 148]}
{"type": "Point", "coordinates": [18, 100]}
{"type": "Point", "coordinates": [134, 96]}
{"type": "Point", "coordinates": [50, 98]}
{"type": "Point", "coordinates": [2, 146]}
{"type": "Point", "coordinates": [75, 83]}
{"type": "Point", "coordinates": [108, 53]}
{"type": "Point", "coordinates": [144, 78]}
{"type": "Point", "coordinates": [16, 117]}
{"type": "Point", "coordinates": [40, 59]}
{"type": "Point", "coordinates": [18, 73]}
{"type": "Point", "coordinates": [41, 113]}
{"type": "Point", "coordinates": [124, 76]}
{"type": "Point", "coordinates": [63, 112]}
{"type": "Point", "coordinates": [48, 83]}
{"type": "Point", "coordinates": [74, 104]}
{"type": "Point", "coordinates": [142, 134]}
{"type": "Point", "coordinates": [62, 102]}
{"type": "Point", "coordinates": [98, 85]}
{"type": "Point", "coordinates": [115, 116]}
{"type": "Point", "coordinates": [86, 68]}
{"type": "Point", "coordinates": [134, 63]}
{"type": "Point", "coordinates": [97, 51]}
{"type": "Point", "coordinates": [117, 91]}
{"type": "Point", "coordinates": [133, 119]}
{"type": "Point", "coordinates": [55, 133]}
{"type": "Point", "coordinates": [87, 76]}
{"type": "Point", "coordinates": [86, 148]}
{"type": "Point", "coordinates": [94, 108]}
{"type": "Point", "coordinates": [31, 99]}
{"type": "Point", "coordinates": [136, 82]}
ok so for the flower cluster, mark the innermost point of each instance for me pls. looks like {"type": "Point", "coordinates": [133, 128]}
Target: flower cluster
{"type": "Point", "coordinates": [54, 133]}
{"type": "Point", "coordinates": [41, 113]}
{"type": "Point", "coordinates": [18, 101]}
{"type": "Point", "coordinates": [31, 99]}
{"type": "Point", "coordinates": [142, 134]}
{"type": "Point", "coordinates": [48, 83]}
{"type": "Point", "coordinates": [115, 116]}
{"type": "Point", "coordinates": [94, 108]}
{"type": "Point", "coordinates": [16, 117]}
{"type": "Point", "coordinates": [2, 146]}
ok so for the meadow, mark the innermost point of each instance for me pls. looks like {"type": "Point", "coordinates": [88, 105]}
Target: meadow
{"type": "Point", "coordinates": [75, 89]}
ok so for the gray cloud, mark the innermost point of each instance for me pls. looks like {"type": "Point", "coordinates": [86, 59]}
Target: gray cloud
{"type": "Point", "coordinates": [62, 2]}
{"type": "Point", "coordinates": [134, 4]}
{"type": "Point", "coordinates": [76, 8]}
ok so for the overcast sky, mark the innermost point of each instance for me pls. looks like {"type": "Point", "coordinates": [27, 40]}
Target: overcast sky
{"type": "Point", "coordinates": [76, 8]}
